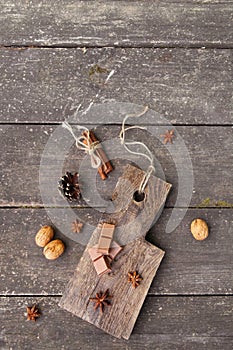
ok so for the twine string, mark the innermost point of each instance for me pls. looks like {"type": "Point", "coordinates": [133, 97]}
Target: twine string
{"type": "Point", "coordinates": [148, 153]}
{"type": "Point", "coordinates": [83, 143]}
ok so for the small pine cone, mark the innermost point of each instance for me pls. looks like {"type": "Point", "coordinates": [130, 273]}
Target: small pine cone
{"type": "Point", "coordinates": [69, 187]}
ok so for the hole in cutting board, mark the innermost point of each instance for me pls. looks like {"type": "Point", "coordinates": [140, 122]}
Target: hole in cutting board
{"type": "Point", "coordinates": [138, 196]}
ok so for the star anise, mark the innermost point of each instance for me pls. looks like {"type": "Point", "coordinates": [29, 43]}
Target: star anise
{"type": "Point", "coordinates": [32, 313]}
{"type": "Point", "coordinates": [134, 278]}
{"type": "Point", "coordinates": [168, 136]}
{"type": "Point", "coordinates": [77, 226]}
{"type": "Point", "coordinates": [101, 300]}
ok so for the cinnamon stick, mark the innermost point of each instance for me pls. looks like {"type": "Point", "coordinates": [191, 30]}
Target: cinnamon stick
{"type": "Point", "coordinates": [106, 167]}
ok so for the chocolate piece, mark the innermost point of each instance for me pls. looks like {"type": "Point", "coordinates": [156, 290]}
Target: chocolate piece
{"type": "Point", "coordinates": [94, 254]}
{"type": "Point", "coordinates": [101, 262]}
{"type": "Point", "coordinates": [114, 250]}
{"type": "Point", "coordinates": [102, 265]}
{"type": "Point", "coordinates": [104, 245]}
{"type": "Point", "coordinates": [105, 240]}
{"type": "Point", "coordinates": [107, 230]}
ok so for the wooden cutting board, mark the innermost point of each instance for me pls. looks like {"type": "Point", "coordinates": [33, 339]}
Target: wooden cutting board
{"type": "Point", "coordinates": [133, 219]}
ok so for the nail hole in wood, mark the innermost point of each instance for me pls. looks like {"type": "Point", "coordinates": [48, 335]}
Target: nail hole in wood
{"type": "Point", "coordinates": [138, 196]}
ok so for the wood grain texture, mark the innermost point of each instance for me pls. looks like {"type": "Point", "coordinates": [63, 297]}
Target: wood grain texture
{"type": "Point", "coordinates": [189, 267]}
{"type": "Point", "coordinates": [185, 86]}
{"type": "Point", "coordinates": [119, 319]}
{"type": "Point", "coordinates": [118, 23]}
{"type": "Point", "coordinates": [168, 323]}
{"type": "Point", "coordinates": [210, 149]}
{"type": "Point", "coordinates": [137, 255]}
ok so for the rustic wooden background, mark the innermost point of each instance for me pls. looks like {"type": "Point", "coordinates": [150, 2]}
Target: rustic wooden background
{"type": "Point", "coordinates": [174, 56]}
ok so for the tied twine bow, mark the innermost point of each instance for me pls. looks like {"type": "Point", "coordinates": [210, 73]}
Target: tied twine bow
{"type": "Point", "coordinates": [83, 143]}
{"type": "Point", "coordinates": [149, 156]}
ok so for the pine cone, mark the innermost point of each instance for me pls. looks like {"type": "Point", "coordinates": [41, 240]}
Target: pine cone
{"type": "Point", "coordinates": [69, 187]}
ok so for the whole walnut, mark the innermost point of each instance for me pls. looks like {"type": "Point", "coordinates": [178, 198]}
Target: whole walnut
{"type": "Point", "coordinates": [44, 236]}
{"type": "Point", "coordinates": [54, 249]}
{"type": "Point", "coordinates": [199, 229]}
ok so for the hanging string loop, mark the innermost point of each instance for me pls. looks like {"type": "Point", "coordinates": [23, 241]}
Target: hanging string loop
{"type": "Point", "coordinates": [148, 153]}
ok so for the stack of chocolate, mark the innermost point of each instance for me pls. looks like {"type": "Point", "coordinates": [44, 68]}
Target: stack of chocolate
{"type": "Point", "coordinates": [105, 251]}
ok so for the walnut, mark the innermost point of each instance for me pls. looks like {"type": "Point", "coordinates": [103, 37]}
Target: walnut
{"type": "Point", "coordinates": [54, 249]}
{"type": "Point", "coordinates": [199, 229]}
{"type": "Point", "coordinates": [44, 236]}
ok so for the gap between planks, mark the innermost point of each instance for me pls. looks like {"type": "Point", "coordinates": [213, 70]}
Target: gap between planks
{"type": "Point", "coordinates": [207, 46]}
{"type": "Point", "coordinates": [44, 123]}
{"type": "Point", "coordinates": [149, 294]}
{"type": "Point", "coordinates": [165, 207]}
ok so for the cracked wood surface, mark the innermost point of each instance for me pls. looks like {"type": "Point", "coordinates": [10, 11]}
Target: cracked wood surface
{"type": "Point", "coordinates": [116, 23]}
{"type": "Point", "coordinates": [186, 86]}
{"type": "Point", "coordinates": [177, 322]}
{"type": "Point", "coordinates": [132, 220]}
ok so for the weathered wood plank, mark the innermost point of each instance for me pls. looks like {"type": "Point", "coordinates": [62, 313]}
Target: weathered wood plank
{"type": "Point", "coordinates": [210, 149]}
{"type": "Point", "coordinates": [189, 267]}
{"type": "Point", "coordinates": [186, 86]}
{"type": "Point", "coordinates": [137, 255]}
{"type": "Point", "coordinates": [119, 23]}
{"type": "Point", "coordinates": [164, 323]}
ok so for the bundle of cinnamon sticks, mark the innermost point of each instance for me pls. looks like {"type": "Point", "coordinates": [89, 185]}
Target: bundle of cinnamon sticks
{"type": "Point", "coordinates": [106, 166]}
